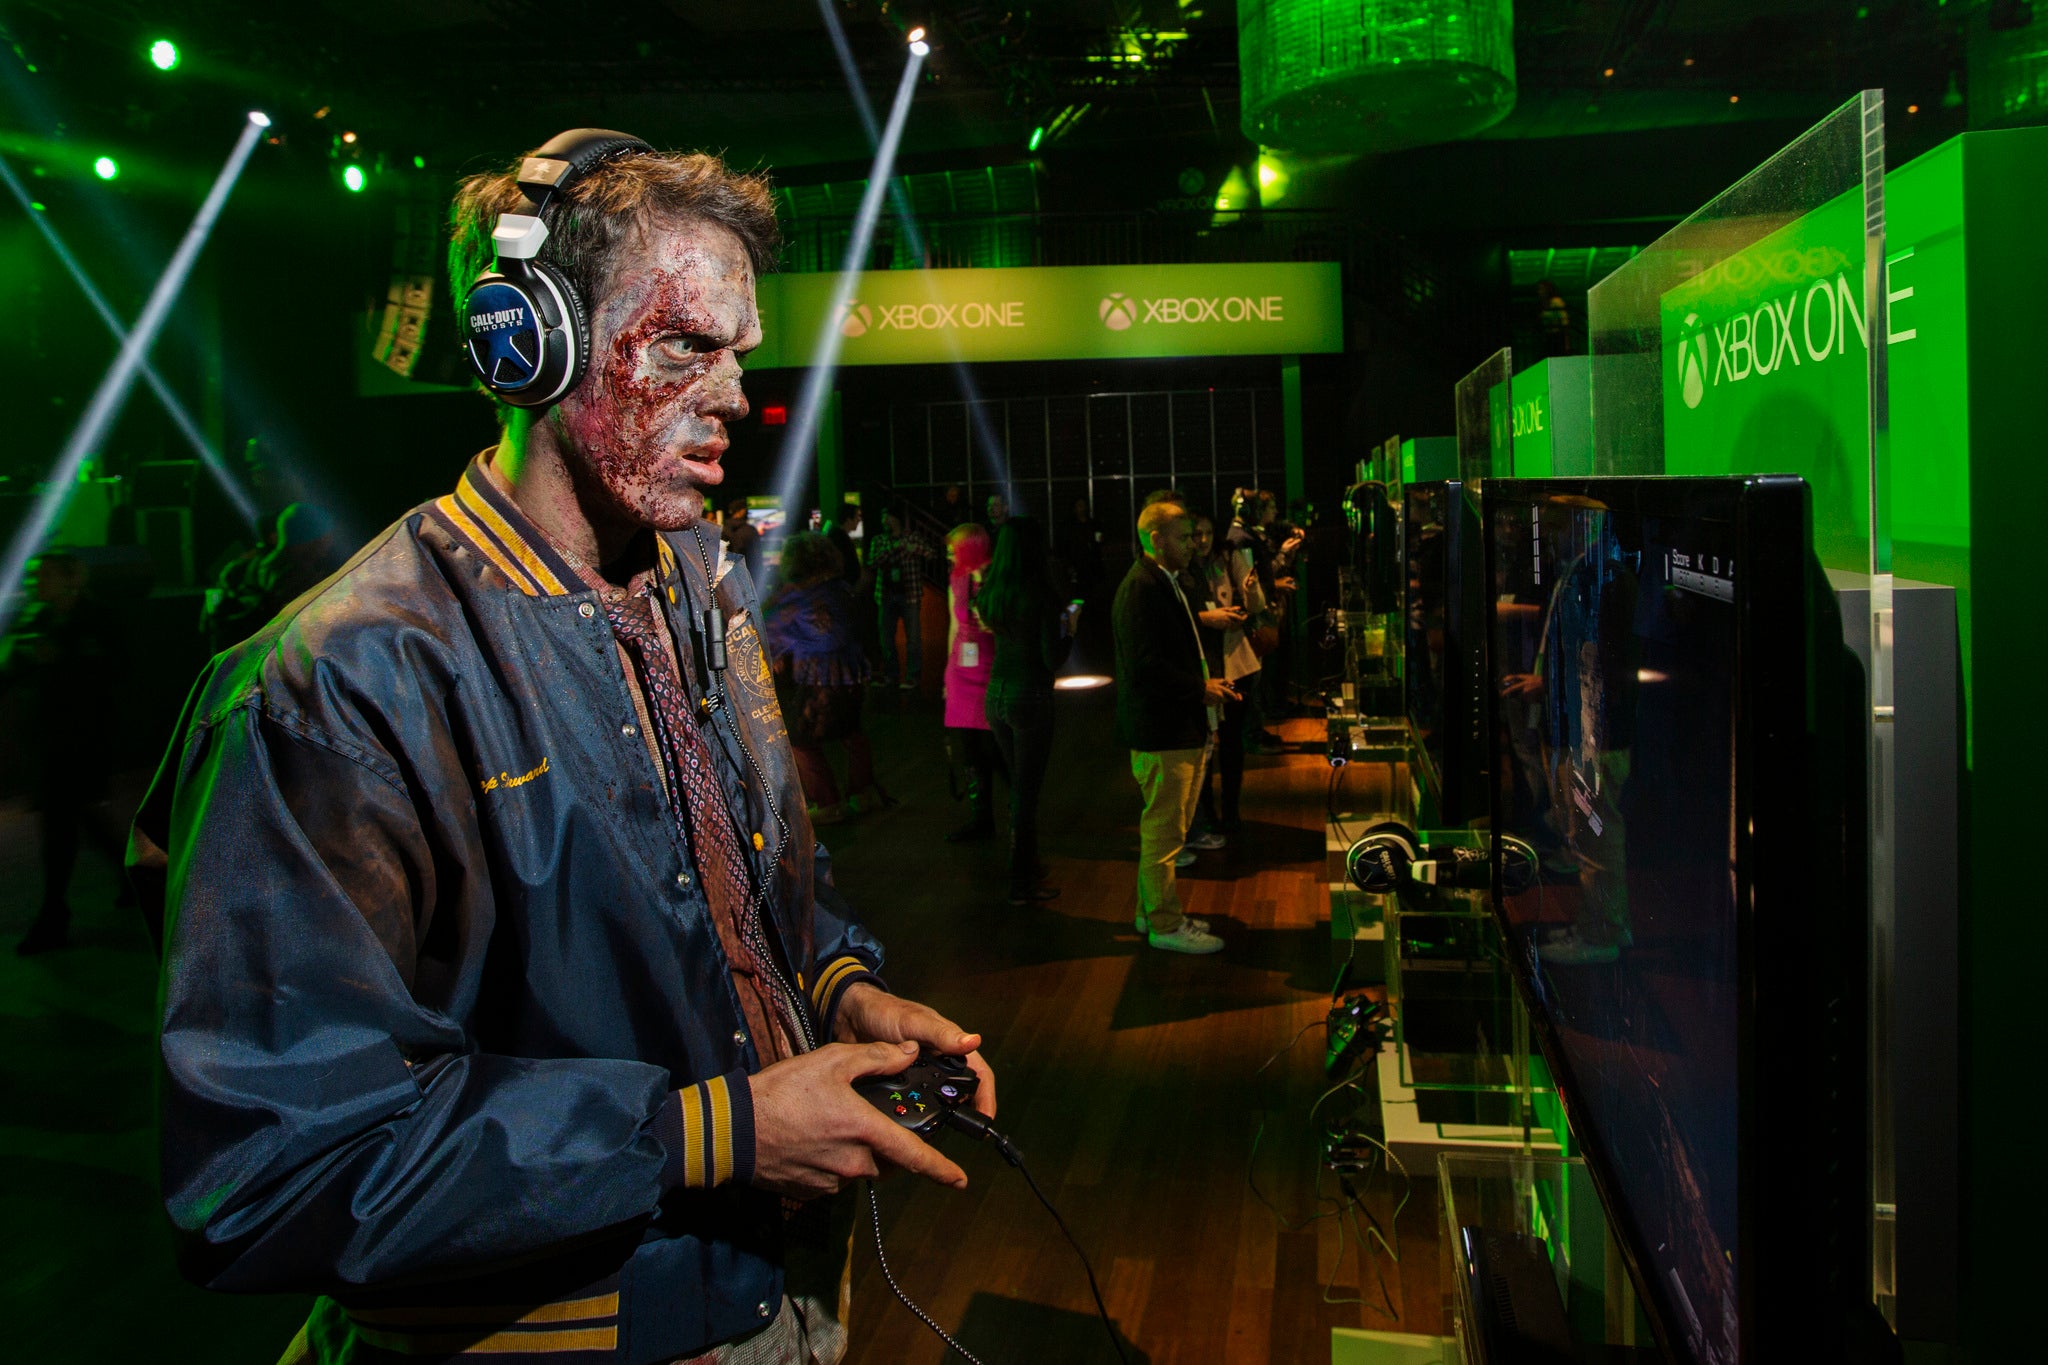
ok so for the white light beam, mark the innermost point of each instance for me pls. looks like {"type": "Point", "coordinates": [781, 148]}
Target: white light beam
{"type": "Point", "coordinates": [810, 403]}
{"type": "Point", "coordinates": [120, 377]}
{"type": "Point", "coordinates": [181, 418]}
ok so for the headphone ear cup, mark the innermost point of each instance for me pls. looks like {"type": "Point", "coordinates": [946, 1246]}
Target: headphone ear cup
{"type": "Point", "coordinates": [1378, 862]}
{"type": "Point", "coordinates": [575, 327]}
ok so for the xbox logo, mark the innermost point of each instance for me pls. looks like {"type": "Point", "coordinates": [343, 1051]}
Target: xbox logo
{"type": "Point", "coordinates": [1117, 312]}
{"type": "Point", "coordinates": [1692, 361]}
{"type": "Point", "coordinates": [854, 319]}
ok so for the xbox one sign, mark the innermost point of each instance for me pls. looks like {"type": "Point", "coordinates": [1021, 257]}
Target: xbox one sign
{"type": "Point", "coordinates": [915, 317]}
{"type": "Point", "coordinates": [1119, 311]}
{"type": "Point", "coordinates": [1766, 368]}
{"type": "Point", "coordinates": [1806, 325]}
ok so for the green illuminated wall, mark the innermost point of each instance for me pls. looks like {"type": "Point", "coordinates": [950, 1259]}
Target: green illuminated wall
{"type": "Point", "coordinates": [1969, 488]}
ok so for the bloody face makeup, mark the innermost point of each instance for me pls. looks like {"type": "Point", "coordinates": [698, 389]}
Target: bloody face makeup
{"type": "Point", "coordinates": [645, 429]}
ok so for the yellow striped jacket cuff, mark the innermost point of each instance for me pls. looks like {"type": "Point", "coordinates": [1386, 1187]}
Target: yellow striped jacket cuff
{"type": "Point", "coordinates": [830, 986]}
{"type": "Point", "coordinates": [706, 1133]}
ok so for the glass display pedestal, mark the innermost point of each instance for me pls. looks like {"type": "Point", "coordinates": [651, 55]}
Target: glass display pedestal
{"type": "Point", "coordinates": [1545, 1209]}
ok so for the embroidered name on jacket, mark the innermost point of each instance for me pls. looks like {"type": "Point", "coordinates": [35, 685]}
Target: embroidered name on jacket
{"type": "Point", "coordinates": [491, 784]}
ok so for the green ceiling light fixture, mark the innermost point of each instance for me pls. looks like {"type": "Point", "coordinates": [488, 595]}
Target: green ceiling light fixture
{"type": "Point", "coordinates": [1037, 136]}
{"type": "Point", "coordinates": [1373, 75]}
{"type": "Point", "coordinates": [352, 176]}
{"type": "Point", "coordinates": [164, 55]}
{"type": "Point", "coordinates": [106, 168]}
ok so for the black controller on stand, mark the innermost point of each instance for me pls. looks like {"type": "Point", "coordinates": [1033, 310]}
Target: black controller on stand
{"type": "Point", "coordinates": [921, 1095]}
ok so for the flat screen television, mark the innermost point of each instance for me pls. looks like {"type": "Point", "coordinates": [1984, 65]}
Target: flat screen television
{"type": "Point", "coordinates": [1444, 668]}
{"type": "Point", "coordinates": [1673, 736]}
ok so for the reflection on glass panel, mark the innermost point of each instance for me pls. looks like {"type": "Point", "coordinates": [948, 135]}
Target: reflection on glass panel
{"type": "Point", "coordinates": [1739, 342]}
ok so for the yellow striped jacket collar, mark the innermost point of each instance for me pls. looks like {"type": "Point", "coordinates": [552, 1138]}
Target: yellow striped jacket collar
{"type": "Point", "coordinates": [484, 517]}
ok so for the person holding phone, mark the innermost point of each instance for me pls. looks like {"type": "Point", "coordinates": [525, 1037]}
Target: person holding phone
{"type": "Point", "coordinates": [1166, 713]}
{"type": "Point", "coordinates": [1033, 633]}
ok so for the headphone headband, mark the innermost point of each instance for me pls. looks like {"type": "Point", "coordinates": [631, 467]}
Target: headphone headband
{"type": "Point", "coordinates": [566, 157]}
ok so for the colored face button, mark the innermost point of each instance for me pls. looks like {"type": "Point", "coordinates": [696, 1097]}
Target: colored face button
{"type": "Point", "coordinates": [901, 1110]}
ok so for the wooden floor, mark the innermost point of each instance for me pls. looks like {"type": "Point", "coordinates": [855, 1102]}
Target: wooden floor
{"type": "Point", "coordinates": [1129, 1077]}
{"type": "Point", "coordinates": [1131, 1080]}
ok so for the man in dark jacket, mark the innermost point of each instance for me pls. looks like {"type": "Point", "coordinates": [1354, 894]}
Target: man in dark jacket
{"type": "Point", "coordinates": [507, 1003]}
{"type": "Point", "coordinates": [1166, 706]}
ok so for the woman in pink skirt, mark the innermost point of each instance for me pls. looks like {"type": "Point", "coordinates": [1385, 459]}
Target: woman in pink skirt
{"type": "Point", "coordinates": [970, 650]}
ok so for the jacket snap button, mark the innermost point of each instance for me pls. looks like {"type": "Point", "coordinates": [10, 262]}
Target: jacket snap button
{"type": "Point", "coordinates": [682, 879]}
{"type": "Point", "coordinates": [761, 1309]}
{"type": "Point", "coordinates": [739, 1037]}
{"type": "Point", "coordinates": [629, 730]}
{"type": "Point", "coordinates": [586, 611]}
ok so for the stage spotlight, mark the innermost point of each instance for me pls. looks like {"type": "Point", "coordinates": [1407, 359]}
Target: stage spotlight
{"type": "Point", "coordinates": [353, 178]}
{"type": "Point", "coordinates": [915, 36]}
{"type": "Point", "coordinates": [1037, 136]}
{"type": "Point", "coordinates": [245, 506]}
{"type": "Point", "coordinates": [164, 55]}
{"type": "Point", "coordinates": [259, 118]}
{"type": "Point", "coordinates": [113, 388]}
{"type": "Point", "coordinates": [106, 168]}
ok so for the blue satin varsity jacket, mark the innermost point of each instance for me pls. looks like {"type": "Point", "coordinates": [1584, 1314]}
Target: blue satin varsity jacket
{"type": "Point", "coordinates": [448, 1035]}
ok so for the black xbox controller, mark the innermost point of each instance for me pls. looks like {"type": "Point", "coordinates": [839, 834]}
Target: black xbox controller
{"type": "Point", "coordinates": [919, 1096]}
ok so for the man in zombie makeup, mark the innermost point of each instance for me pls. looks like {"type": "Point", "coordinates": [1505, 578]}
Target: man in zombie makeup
{"type": "Point", "coordinates": [508, 1004]}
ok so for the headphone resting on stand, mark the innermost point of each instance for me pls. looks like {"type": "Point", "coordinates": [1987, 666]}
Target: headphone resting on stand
{"type": "Point", "coordinates": [525, 329]}
{"type": "Point", "coordinates": [1388, 856]}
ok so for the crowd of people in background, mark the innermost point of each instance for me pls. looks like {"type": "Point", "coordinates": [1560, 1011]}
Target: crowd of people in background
{"type": "Point", "coordinates": [1200, 679]}
{"type": "Point", "coordinates": [1196, 623]}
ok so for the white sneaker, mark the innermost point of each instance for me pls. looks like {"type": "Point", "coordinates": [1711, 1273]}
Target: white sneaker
{"type": "Point", "coordinates": [1143, 922]}
{"type": "Point", "coordinates": [1186, 939]}
{"type": "Point", "coordinates": [1184, 858]}
{"type": "Point", "coordinates": [1208, 839]}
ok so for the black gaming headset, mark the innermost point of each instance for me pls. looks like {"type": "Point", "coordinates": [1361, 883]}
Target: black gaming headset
{"type": "Point", "coordinates": [524, 328]}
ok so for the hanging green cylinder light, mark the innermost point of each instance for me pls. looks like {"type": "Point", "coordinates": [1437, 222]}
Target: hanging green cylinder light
{"type": "Point", "coordinates": [1373, 75]}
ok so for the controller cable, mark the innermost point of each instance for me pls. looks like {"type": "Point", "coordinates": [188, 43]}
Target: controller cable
{"type": "Point", "coordinates": [976, 1126]}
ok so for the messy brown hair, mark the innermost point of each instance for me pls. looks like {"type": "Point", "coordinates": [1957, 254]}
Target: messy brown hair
{"type": "Point", "coordinates": [606, 209]}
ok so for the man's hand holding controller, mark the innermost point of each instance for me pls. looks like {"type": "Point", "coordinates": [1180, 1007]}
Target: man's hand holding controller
{"type": "Point", "coordinates": [813, 1132]}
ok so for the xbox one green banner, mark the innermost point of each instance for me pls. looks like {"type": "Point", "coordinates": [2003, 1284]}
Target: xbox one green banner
{"type": "Point", "coordinates": [918, 317]}
{"type": "Point", "coordinates": [1767, 370]}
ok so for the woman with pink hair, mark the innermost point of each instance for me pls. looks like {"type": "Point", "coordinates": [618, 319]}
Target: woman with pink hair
{"type": "Point", "coordinates": [970, 652]}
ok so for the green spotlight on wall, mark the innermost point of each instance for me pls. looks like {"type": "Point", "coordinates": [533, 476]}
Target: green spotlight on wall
{"type": "Point", "coordinates": [1037, 136]}
{"type": "Point", "coordinates": [106, 168]}
{"type": "Point", "coordinates": [164, 55]}
{"type": "Point", "coordinates": [353, 178]}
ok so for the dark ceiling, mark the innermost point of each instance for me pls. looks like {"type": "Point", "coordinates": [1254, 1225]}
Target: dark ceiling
{"type": "Point", "coordinates": [462, 82]}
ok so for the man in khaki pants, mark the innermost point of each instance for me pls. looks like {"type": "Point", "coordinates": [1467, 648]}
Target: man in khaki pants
{"type": "Point", "coordinates": [1166, 707]}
